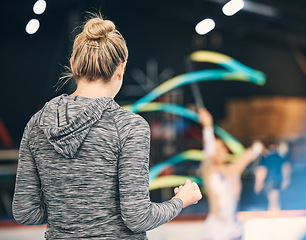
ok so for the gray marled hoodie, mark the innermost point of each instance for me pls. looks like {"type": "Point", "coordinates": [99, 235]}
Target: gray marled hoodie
{"type": "Point", "coordinates": [83, 170]}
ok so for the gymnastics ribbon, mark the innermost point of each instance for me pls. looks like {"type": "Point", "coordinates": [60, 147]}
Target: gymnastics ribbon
{"type": "Point", "coordinates": [229, 64]}
{"type": "Point", "coordinates": [194, 154]}
{"type": "Point", "coordinates": [234, 71]}
{"type": "Point", "coordinates": [189, 155]}
{"type": "Point", "coordinates": [244, 74]}
{"type": "Point", "coordinates": [172, 181]}
{"type": "Point", "coordinates": [232, 143]}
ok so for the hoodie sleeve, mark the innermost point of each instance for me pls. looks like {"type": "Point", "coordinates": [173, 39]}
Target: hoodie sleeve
{"type": "Point", "coordinates": [28, 205]}
{"type": "Point", "coordinates": [137, 211]}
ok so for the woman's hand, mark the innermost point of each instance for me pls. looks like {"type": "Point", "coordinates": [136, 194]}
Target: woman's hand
{"type": "Point", "coordinates": [205, 118]}
{"type": "Point", "coordinates": [189, 193]}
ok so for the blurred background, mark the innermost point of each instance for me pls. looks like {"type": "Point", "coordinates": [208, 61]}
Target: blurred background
{"type": "Point", "coordinates": [265, 35]}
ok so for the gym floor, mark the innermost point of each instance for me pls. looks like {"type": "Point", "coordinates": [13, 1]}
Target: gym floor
{"type": "Point", "coordinates": [283, 225]}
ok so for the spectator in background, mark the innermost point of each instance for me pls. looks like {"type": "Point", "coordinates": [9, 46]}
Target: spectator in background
{"type": "Point", "coordinates": [273, 174]}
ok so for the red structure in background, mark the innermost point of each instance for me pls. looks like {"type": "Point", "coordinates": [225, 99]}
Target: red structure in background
{"type": "Point", "coordinates": [5, 137]}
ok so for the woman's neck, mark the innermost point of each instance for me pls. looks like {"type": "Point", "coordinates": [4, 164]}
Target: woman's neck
{"type": "Point", "coordinates": [95, 89]}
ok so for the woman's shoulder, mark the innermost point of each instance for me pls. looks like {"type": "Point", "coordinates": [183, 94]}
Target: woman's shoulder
{"type": "Point", "coordinates": [127, 117]}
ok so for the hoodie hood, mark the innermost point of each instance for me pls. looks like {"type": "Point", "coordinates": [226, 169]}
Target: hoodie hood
{"type": "Point", "coordinates": [66, 120]}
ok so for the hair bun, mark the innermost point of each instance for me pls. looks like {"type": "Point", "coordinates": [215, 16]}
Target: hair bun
{"type": "Point", "coordinates": [97, 28]}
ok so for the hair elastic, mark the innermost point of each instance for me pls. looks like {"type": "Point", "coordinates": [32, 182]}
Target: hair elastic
{"type": "Point", "coordinates": [94, 46]}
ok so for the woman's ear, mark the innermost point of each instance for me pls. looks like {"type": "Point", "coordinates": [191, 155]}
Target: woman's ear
{"type": "Point", "coordinates": [121, 69]}
{"type": "Point", "coordinates": [72, 66]}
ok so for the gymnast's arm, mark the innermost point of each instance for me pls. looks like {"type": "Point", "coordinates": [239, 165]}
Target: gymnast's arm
{"type": "Point", "coordinates": [28, 205]}
{"type": "Point", "coordinates": [209, 141]}
{"type": "Point", "coordinates": [247, 157]}
{"type": "Point", "coordinates": [137, 211]}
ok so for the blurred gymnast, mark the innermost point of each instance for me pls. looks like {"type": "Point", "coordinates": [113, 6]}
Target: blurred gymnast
{"type": "Point", "coordinates": [84, 161]}
{"type": "Point", "coordinates": [222, 183]}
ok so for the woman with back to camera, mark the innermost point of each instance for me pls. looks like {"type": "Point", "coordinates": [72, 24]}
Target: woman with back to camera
{"type": "Point", "coordinates": [83, 163]}
{"type": "Point", "coordinates": [222, 183]}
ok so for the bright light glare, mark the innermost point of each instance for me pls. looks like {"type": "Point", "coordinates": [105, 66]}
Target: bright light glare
{"type": "Point", "coordinates": [39, 7]}
{"type": "Point", "coordinates": [232, 7]}
{"type": "Point", "coordinates": [205, 26]}
{"type": "Point", "coordinates": [32, 26]}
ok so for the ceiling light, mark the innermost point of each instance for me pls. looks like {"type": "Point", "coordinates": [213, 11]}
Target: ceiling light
{"type": "Point", "coordinates": [205, 26]}
{"type": "Point", "coordinates": [39, 7]}
{"type": "Point", "coordinates": [32, 26]}
{"type": "Point", "coordinates": [232, 7]}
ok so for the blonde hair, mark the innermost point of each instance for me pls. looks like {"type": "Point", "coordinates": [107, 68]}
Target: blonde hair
{"type": "Point", "coordinates": [97, 51]}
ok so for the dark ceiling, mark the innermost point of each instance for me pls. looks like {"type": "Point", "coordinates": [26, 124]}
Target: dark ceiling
{"type": "Point", "coordinates": [268, 35]}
